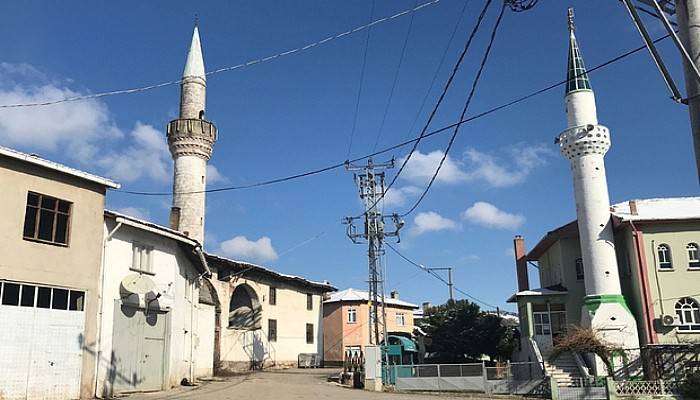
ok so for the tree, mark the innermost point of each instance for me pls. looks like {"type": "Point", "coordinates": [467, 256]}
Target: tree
{"type": "Point", "coordinates": [584, 340]}
{"type": "Point", "coordinates": [459, 331]}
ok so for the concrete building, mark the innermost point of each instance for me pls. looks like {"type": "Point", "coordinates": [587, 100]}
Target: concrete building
{"type": "Point", "coordinates": [51, 235]}
{"type": "Point", "coordinates": [157, 312]}
{"type": "Point", "coordinates": [191, 141]}
{"type": "Point", "coordinates": [346, 322]}
{"type": "Point", "coordinates": [265, 318]}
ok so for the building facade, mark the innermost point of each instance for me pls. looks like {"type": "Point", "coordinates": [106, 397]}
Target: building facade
{"type": "Point", "coordinates": [267, 319]}
{"type": "Point", "coordinates": [51, 231]}
{"type": "Point", "coordinates": [656, 242]}
{"type": "Point", "coordinates": [346, 316]}
{"type": "Point", "coordinates": [157, 315]}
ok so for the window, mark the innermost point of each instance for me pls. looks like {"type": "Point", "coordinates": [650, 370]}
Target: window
{"type": "Point", "coordinates": [579, 269]}
{"type": "Point", "coordinates": [693, 259]}
{"type": "Point", "coordinates": [23, 295]}
{"type": "Point", "coordinates": [542, 325]}
{"type": "Point", "coordinates": [309, 301]}
{"type": "Point", "coordinates": [273, 296]}
{"type": "Point", "coordinates": [271, 330]}
{"type": "Point", "coordinates": [664, 256]}
{"type": "Point", "coordinates": [142, 258]}
{"type": "Point", "coordinates": [400, 319]}
{"type": "Point", "coordinates": [309, 333]}
{"type": "Point", "coordinates": [245, 311]}
{"type": "Point", "coordinates": [352, 315]}
{"type": "Point", "coordinates": [47, 219]}
{"type": "Point", "coordinates": [688, 312]}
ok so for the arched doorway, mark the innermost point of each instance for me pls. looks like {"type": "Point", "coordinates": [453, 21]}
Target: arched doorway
{"type": "Point", "coordinates": [244, 309]}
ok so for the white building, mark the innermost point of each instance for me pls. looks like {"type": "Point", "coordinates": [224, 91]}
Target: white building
{"type": "Point", "coordinates": [266, 318]}
{"type": "Point", "coordinates": [156, 313]}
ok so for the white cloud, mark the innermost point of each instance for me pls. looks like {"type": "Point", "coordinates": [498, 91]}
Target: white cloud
{"type": "Point", "coordinates": [496, 173]}
{"type": "Point", "coordinates": [214, 176]}
{"type": "Point", "coordinates": [137, 212]}
{"type": "Point", "coordinates": [432, 222]}
{"type": "Point", "coordinates": [488, 215]}
{"type": "Point", "coordinates": [146, 156]}
{"type": "Point", "coordinates": [399, 196]}
{"type": "Point", "coordinates": [257, 250]}
{"type": "Point", "coordinates": [421, 167]}
{"type": "Point", "coordinates": [509, 252]}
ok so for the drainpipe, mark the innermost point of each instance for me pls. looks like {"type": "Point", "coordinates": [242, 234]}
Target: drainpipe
{"type": "Point", "coordinates": [648, 310]}
{"type": "Point", "coordinates": [100, 301]}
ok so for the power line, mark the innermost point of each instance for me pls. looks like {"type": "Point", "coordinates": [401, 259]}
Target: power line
{"type": "Point", "coordinates": [485, 58]}
{"type": "Point", "coordinates": [362, 79]}
{"type": "Point", "coordinates": [455, 68]}
{"type": "Point", "coordinates": [406, 142]}
{"type": "Point", "coordinates": [437, 276]}
{"type": "Point", "coordinates": [229, 68]}
{"type": "Point", "coordinates": [393, 84]}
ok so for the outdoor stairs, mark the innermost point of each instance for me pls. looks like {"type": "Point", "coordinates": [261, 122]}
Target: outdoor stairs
{"type": "Point", "coordinates": [564, 369]}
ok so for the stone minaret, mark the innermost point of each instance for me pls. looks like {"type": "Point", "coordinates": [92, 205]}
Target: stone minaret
{"type": "Point", "coordinates": [191, 140]}
{"type": "Point", "coordinates": [584, 143]}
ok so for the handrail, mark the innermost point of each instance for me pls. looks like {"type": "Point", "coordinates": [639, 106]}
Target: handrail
{"type": "Point", "coordinates": [582, 368]}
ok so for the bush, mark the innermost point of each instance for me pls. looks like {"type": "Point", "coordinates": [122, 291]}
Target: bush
{"type": "Point", "coordinates": [583, 340]}
{"type": "Point", "coordinates": [690, 388]}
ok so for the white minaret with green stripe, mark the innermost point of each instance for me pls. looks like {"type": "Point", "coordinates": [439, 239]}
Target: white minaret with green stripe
{"type": "Point", "coordinates": [585, 143]}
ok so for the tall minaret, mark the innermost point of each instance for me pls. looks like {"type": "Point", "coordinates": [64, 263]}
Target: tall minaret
{"type": "Point", "coordinates": [584, 143]}
{"type": "Point", "coordinates": [191, 140]}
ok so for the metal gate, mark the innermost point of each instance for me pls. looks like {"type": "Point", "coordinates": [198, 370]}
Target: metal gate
{"type": "Point", "coordinates": [584, 389]}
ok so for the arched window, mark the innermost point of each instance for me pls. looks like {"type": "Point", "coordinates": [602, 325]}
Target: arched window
{"type": "Point", "coordinates": [579, 269]}
{"type": "Point", "coordinates": [688, 312]}
{"type": "Point", "coordinates": [664, 252]}
{"type": "Point", "coordinates": [244, 309]}
{"type": "Point", "coordinates": [201, 114]}
{"type": "Point", "coordinates": [693, 259]}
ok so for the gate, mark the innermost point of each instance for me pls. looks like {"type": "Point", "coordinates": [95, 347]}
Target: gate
{"type": "Point", "coordinates": [584, 389]}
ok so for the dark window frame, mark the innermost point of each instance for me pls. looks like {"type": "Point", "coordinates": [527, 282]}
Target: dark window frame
{"type": "Point", "coordinates": [39, 210]}
{"type": "Point", "coordinates": [309, 301]}
{"type": "Point", "coordinates": [580, 271]}
{"type": "Point", "coordinates": [271, 330]}
{"type": "Point", "coordinates": [272, 296]}
{"type": "Point", "coordinates": [309, 333]}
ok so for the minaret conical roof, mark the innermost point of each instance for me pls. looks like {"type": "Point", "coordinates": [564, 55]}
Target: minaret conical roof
{"type": "Point", "coordinates": [576, 77]}
{"type": "Point", "coordinates": [195, 61]}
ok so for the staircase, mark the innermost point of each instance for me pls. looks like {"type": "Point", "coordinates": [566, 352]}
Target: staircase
{"type": "Point", "coordinates": [564, 369]}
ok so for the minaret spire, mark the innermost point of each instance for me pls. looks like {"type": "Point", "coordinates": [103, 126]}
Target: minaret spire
{"type": "Point", "coordinates": [576, 77]}
{"type": "Point", "coordinates": [195, 60]}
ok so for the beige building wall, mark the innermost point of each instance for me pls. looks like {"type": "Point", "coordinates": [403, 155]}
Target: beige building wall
{"type": "Point", "coordinates": [75, 266]}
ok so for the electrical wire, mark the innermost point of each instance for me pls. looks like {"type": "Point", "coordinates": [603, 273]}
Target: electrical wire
{"type": "Point", "coordinates": [455, 68]}
{"type": "Point", "coordinates": [485, 58]}
{"type": "Point", "coordinates": [393, 84]}
{"type": "Point", "coordinates": [362, 80]}
{"type": "Point", "coordinates": [437, 276]}
{"type": "Point", "coordinates": [406, 142]}
{"type": "Point", "coordinates": [229, 68]}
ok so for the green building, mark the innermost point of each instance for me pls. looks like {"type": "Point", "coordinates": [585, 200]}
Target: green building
{"type": "Point", "coordinates": [657, 243]}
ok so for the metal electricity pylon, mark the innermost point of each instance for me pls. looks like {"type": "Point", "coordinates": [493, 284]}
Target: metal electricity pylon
{"type": "Point", "coordinates": [370, 183]}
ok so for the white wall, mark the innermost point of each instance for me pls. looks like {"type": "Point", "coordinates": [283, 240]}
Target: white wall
{"type": "Point", "coordinates": [240, 347]}
{"type": "Point", "coordinates": [172, 273]}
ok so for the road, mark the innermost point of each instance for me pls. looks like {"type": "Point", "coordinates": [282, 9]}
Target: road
{"type": "Point", "coordinates": [282, 385]}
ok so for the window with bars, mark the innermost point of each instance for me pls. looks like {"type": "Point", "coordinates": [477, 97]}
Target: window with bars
{"type": "Point", "coordinates": [47, 219]}
{"type": "Point", "coordinates": [693, 259]}
{"type": "Point", "coordinates": [664, 252]}
{"type": "Point", "coordinates": [579, 269]}
{"type": "Point", "coordinates": [271, 330]}
{"type": "Point", "coordinates": [309, 333]}
{"type": "Point", "coordinates": [688, 312]}
{"type": "Point", "coordinates": [309, 301]}
{"type": "Point", "coordinates": [273, 296]}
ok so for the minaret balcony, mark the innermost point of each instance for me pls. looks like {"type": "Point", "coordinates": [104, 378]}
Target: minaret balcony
{"type": "Point", "coordinates": [584, 140]}
{"type": "Point", "coordinates": [192, 127]}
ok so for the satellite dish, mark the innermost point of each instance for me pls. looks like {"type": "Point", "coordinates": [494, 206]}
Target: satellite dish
{"type": "Point", "coordinates": [136, 284]}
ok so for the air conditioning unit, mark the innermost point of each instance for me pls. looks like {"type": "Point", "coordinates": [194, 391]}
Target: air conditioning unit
{"type": "Point", "coordinates": [670, 320]}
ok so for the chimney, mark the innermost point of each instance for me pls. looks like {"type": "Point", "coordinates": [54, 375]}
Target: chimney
{"type": "Point", "coordinates": [633, 207]}
{"type": "Point", "coordinates": [521, 263]}
{"type": "Point", "coordinates": [175, 218]}
{"type": "Point", "coordinates": [394, 294]}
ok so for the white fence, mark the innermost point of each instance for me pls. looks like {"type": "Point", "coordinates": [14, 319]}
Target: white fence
{"type": "Point", "coordinates": [647, 388]}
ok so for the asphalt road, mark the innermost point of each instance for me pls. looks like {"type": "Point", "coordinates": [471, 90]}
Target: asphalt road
{"type": "Point", "coordinates": [282, 385]}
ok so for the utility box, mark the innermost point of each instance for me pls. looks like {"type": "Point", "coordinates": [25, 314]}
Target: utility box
{"type": "Point", "coordinates": [373, 368]}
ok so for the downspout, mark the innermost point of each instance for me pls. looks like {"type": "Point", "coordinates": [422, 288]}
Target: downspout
{"type": "Point", "coordinates": [100, 300]}
{"type": "Point", "coordinates": [207, 273]}
{"type": "Point", "coordinates": [644, 282]}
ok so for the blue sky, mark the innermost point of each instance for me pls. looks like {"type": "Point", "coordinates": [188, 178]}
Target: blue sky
{"type": "Point", "coordinates": [504, 175]}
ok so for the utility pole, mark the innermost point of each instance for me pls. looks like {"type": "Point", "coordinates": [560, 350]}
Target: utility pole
{"type": "Point", "coordinates": [450, 286]}
{"type": "Point", "coordinates": [370, 182]}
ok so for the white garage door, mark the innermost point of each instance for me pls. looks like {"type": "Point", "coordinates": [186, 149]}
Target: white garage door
{"type": "Point", "coordinates": [41, 340]}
